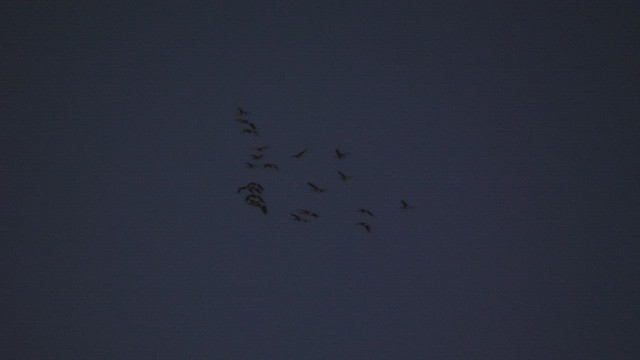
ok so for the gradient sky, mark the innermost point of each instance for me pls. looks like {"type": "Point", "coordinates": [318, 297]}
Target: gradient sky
{"type": "Point", "coordinates": [512, 127]}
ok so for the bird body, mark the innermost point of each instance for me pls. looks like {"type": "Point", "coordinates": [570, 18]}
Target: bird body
{"type": "Point", "coordinates": [242, 112]}
{"type": "Point", "coordinates": [366, 226]}
{"type": "Point", "coordinates": [315, 188]}
{"type": "Point", "coordinates": [405, 205]}
{"type": "Point", "coordinates": [299, 154]}
{"type": "Point", "coordinates": [366, 211]}
{"type": "Point", "coordinates": [340, 155]}
{"type": "Point", "coordinates": [343, 176]}
{"type": "Point", "coordinates": [271, 166]}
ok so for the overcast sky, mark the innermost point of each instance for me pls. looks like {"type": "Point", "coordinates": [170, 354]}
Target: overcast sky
{"type": "Point", "coordinates": [511, 128]}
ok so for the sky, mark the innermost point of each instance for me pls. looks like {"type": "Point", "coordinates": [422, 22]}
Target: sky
{"type": "Point", "coordinates": [511, 127]}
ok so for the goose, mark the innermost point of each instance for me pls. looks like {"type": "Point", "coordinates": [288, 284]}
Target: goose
{"type": "Point", "coordinates": [262, 148]}
{"type": "Point", "coordinates": [365, 211]}
{"type": "Point", "coordinates": [405, 205]}
{"type": "Point", "coordinates": [365, 226]}
{"type": "Point", "coordinates": [252, 125]}
{"type": "Point", "coordinates": [250, 165]}
{"type": "Point", "coordinates": [242, 112]}
{"type": "Point", "coordinates": [257, 157]}
{"type": "Point", "coordinates": [308, 213]}
{"type": "Point", "coordinates": [343, 176]}
{"type": "Point", "coordinates": [315, 188]}
{"type": "Point", "coordinates": [254, 199]}
{"type": "Point", "coordinates": [271, 166]}
{"type": "Point", "coordinates": [298, 218]}
{"type": "Point", "coordinates": [250, 131]}
{"type": "Point", "coordinates": [340, 155]}
{"type": "Point", "coordinates": [243, 121]}
{"type": "Point", "coordinates": [299, 155]}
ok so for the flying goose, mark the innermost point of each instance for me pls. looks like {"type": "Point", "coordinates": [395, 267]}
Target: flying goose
{"type": "Point", "coordinates": [299, 155]}
{"type": "Point", "coordinates": [262, 148]}
{"type": "Point", "coordinates": [405, 205]}
{"type": "Point", "coordinates": [365, 226]}
{"type": "Point", "coordinates": [242, 112]}
{"type": "Point", "coordinates": [308, 213]}
{"type": "Point", "coordinates": [343, 176]}
{"type": "Point", "coordinates": [271, 166]}
{"type": "Point", "coordinates": [250, 165]}
{"type": "Point", "coordinates": [257, 157]}
{"type": "Point", "coordinates": [365, 211]}
{"type": "Point", "coordinates": [315, 188]}
{"type": "Point", "coordinates": [243, 121]}
{"type": "Point", "coordinates": [340, 155]}
{"type": "Point", "coordinates": [298, 218]}
{"type": "Point", "coordinates": [250, 131]}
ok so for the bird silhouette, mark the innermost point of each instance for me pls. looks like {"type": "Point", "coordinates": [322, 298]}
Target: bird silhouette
{"type": "Point", "coordinates": [299, 218]}
{"type": "Point", "coordinates": [252, 125]}
{"type": "Point", "coordinates": [243, 121]}
{"type": "Point", "coordinates": [308, 213]}
{"type": "Point", "coordinates": [271, 166]}
{"type": "Point", "coordinates": [340, 155]}
{"type": "Point", "coordinates": [299, 155]}
{"type": "Point", "coordinates": [405, 205]}
{"type": "Point", "coordinates": [257, 157]}
{"type": "Point", "coordinates": [343, 176]}
{"type": "Point", "coordinates": [252, 187]}
{"type": "Point", "coordinates": [250, 131]}
{"type": "Point", "coordinates": [365, 226]}
{"type": "Point", "coordinates": [250, 165]}
{"type": "Point", "coordinates": [365, 211]}
{"type": "Point", "coordinates": [242, 112]}
{"type": "Point", "coordinates": [262, 148]}
{"type": "Point", "coordinates": [315, 188]}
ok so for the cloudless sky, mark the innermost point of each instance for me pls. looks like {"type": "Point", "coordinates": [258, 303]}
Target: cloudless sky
{"type": "Point", "coordinates": [511, 127]}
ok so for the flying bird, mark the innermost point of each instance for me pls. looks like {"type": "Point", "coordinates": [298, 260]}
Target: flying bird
{"type": "Point", "coordinates": [365, 211]}
{"type": "Point", "coordinates": [242, 112]}
{"type": "Point", "coordinates": [250, 165]}
{"type": "Point", "coordinates": [257, 157]}
{"type": "Point", "coordinates": [299, 155]}
{"type": "Point", "coordinates": [243, 121]}
{"type": "Point", "coordinates": [250, 131]}
{"type": "Point", "coordinates": [340, 155]}
{"type": "Point", "coordinates": [315, 188]}
{"type": "Point", "coordinates": [308, 213]}
{"type": "Point", "coordinates": [405, 205]}
{"type": "Point", "coordinates": [252, 187]}
{"type": "Point", "coordinates": [343, 176]}
{"type": "Point", "coordinates": [254, 199]}
{"type": "Point", "coordinates": [271, 166]}
{"type": "Point", "coordinates": [299, 218]}
{"type": "Point", "coordinates": [262, 148]}
{"type": "Point", "coordinates": [252, 125]}
{"type": "Point", "coordinates": [365, 226]}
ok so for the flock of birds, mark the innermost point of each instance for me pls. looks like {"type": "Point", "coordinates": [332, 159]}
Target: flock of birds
{"type": "Point", "coordinates": [254, 190]}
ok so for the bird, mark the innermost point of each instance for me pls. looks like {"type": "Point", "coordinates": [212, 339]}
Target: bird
{"type": "Point", "coordinates": [308, 212]}
{"type": "Point", "coordinates": [343, 176]}
{"type": "Point", "coordinates": [405, 205]}
{"type": "Point", "coordinates": [299, 155]}
{"type": "Point", "coordinates": [298, 218]}
{"type": "Point", "coordinates": [243, 121]}
{"type": "Point", "coordinates": [252, 187]}
{"type": "Point", "coordinates": [365, 211]}
{"type": "Point", "coordinates": [254, 199]}
{"type": "Point", "coordinates": [250, 131]}
{"type": "Point", "coordinates": [250, 165]}
{"type": "Point", "coordinates": [242, 112]}
{"type": "Point", "coordinates": [315, 188]}
{"type": "Point", "coordinates": [340, 155]}
{"type": "Point", "coordinates": [257, 157]}
{"type": "Point", "coordinates": [262, 148]}
{"type": "Point", "coordinates": [271, 166]}
{"type": "Point", "coordinates": [365, 226]}
{"type": "Point", "coordinates": [252, 125]}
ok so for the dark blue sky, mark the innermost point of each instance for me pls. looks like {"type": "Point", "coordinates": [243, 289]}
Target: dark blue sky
{"type": "Point", "coordinates": [512, 128]}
